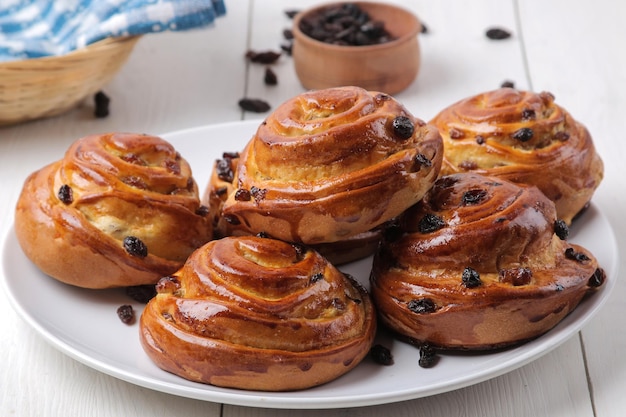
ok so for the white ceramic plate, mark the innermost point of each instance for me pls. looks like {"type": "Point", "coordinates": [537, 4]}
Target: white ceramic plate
{"type": "Point", "coordinates": [84, 324]}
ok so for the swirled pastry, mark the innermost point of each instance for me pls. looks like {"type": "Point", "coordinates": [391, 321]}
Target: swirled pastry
{"type": "Point", "coordinates": [480, 263]}
{"type": "Point", "coordinates": [258, 313]}
{"type": "Point", "coordinates": [526, 138]}
{"type": "Point", "coordinates": [220, 186]}
{"type": "Point", "coordinates": [330, 164]}
{"type": "Point", "coordinates": [117, 210]}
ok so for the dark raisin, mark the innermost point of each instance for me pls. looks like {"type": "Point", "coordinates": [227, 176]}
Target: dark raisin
{"type": "Point", "coordinates": [172, 166]}
{"type": "Point", "coordinates": [422, 160]}
{"type": "Point", "coordinates": [232, 219]}
{"type": "Point", "coordinates": [528, 114]}
{"type": "Point", "coordinates": [570, 253]}
{"type": "Point", "coordinates": [561, 229]}
{"type": "Point", "coordinates": [230, 155]}
{"type": "Point", "coordinates": [480, 139]}
{"type": "Point", "coordinates": [202, 211]}
{"type": "Point", "coordinates": [431, 223]}
{"type": "Point", "coordinates": [497, 33]}
{"type": "Point", "coordinates": [558, 288]}
{"type": "Point", "coordinates": [224, 170]}
{"type": "Point", "coordinates": [242, 195]}
{"type": "Point", "coordinates": [221, 191]}
{"type": "Point", "coordinates": [424, 28]}
{"type": "Point", "coordinates": [287, 48]}
{"type": "Point", "coordinates": [168, 285]}
{"type": "Point", "coordinates": [141, 293]}
{"type": "Point", "coordinates": [381, 355]}
{"type": "Point", "coordinates": [598, 278]}
{"type": "Point", "coordinates": [471, 278]}
{"type": "Point", "coordinates": [561, 136]}
{"type": "Point", "coordinates": [101, 102]}
{"type": "Point", "coordinates": [291, 13]}
{"type": "Point", "coordinates": [254, 105]}
{"type": "Point", "coordinates": [515, 276]}
{"type": "Point", "coordinates": [65, 194]}
{"type": "Point", "coordinates": [422, 306]}
{"type": "Point", "coordinates": [472, 197]}
{"type": "Point", "coordinates": [403, 127]}
{"type": "Point", "coordinates": [316, 277]}
{"type": "Point", "coordinates": [507, 84]}
{"type": "Point", "coordinates": [428, 356]}
{"type": "Point", "coordinates": [258, 193]}
{"type": "Point", "coordinates": [126, 314]}
{"type": "Point", "coordinates": [135, 247]}
{"type": "Point", "coordinates": [265, 57]}
{"type": "Point", "coordinates": [523, 135]}
{"type": "Point", "coordinates": [270, 77]}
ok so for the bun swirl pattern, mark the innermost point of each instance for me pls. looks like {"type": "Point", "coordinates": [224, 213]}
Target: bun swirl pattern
{"type": "Point", "coordinates": [258, 313]}
{"type": "Point", "coordinates": [522, 137]}
{"type": "Point", "coordinates": [330, 164]}
{"type": "Point", "coordinates": [117, 210]}
{"type": "Point", "coordinates": [480, 263]}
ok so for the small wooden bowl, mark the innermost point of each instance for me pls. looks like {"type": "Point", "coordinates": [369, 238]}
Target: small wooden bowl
{"type": "Point", "coordinates": [388, 67]}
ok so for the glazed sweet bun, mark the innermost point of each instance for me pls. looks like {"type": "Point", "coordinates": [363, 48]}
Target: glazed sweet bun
{"type": "Point", "coordinates": [330, 164]}
{"type": "Point", "coordinates": [259, 314]}
{"type": "Point", "coordinates": [523, 137]}
{"type": "Point", "coordinates": [220, 186]}
{"type": "Point", "coordinates": [117, 210]}
{"type": "Point", "coordinates": [480, 263]}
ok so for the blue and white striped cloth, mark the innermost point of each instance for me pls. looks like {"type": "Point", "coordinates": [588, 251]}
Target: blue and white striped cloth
{"type": "Point", "coordinates": [36, 28]}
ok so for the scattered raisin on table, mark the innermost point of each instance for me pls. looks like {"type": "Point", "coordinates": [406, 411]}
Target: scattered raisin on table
{"type": "Point", "coordinates": [264, 57]}
{"type": "Point", "coordinates": [291, 13]}
{"type": "Point", "coordinates": [135, 247]}
{"type": "Point", "coordinates": [65, 194]}
{"type": "Point", "coordinates": [270, 77]}
{"type": "Point", "coordinates": [254, 105]}
{"type": "Point", "coordinates": [126, 314]}
{"type": "Point", "coordinates": [507, 84]}
{"type": "Point", "coordinates": [497, 33]}
{"type": "Point", "coordinates": [101, 101]}
{"type": "Point", "coordinates": [381, 355]}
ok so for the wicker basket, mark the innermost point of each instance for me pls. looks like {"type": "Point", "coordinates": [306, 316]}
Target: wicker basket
{"type": "Point", "coordinates": [43, 87]}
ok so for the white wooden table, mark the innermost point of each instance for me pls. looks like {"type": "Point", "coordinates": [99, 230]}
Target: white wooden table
{"type": "Point", "coordinates": [574, 49]}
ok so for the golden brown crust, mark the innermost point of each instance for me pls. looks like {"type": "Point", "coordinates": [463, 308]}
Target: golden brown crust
{"type": "Point", "coordinates": [220, 186]}
{"type": "Point", "coordinates": [526, 138]}
{"type": "Point", "coordinates": [327, 165]}
{"type": "Point", "coordinates": [258, 313]}
{"type": "Point", "coordinates": [529, 279]}
{"type": "Point", "coordinates": [73, 216]}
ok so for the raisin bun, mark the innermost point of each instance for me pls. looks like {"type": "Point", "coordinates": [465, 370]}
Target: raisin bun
{"type": "Point", "coordinates": [526, 138]}
{"type": "Point", "coordinates": [330, 164]}
{"type": "Point", "coordinates": [220, 186]}
{"type": "Point", "coordinates": [480, 263]}
{"type": "Point", "coordinates": [260, 314]}
{"type": "Point", "coordinates": [117, 210]}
